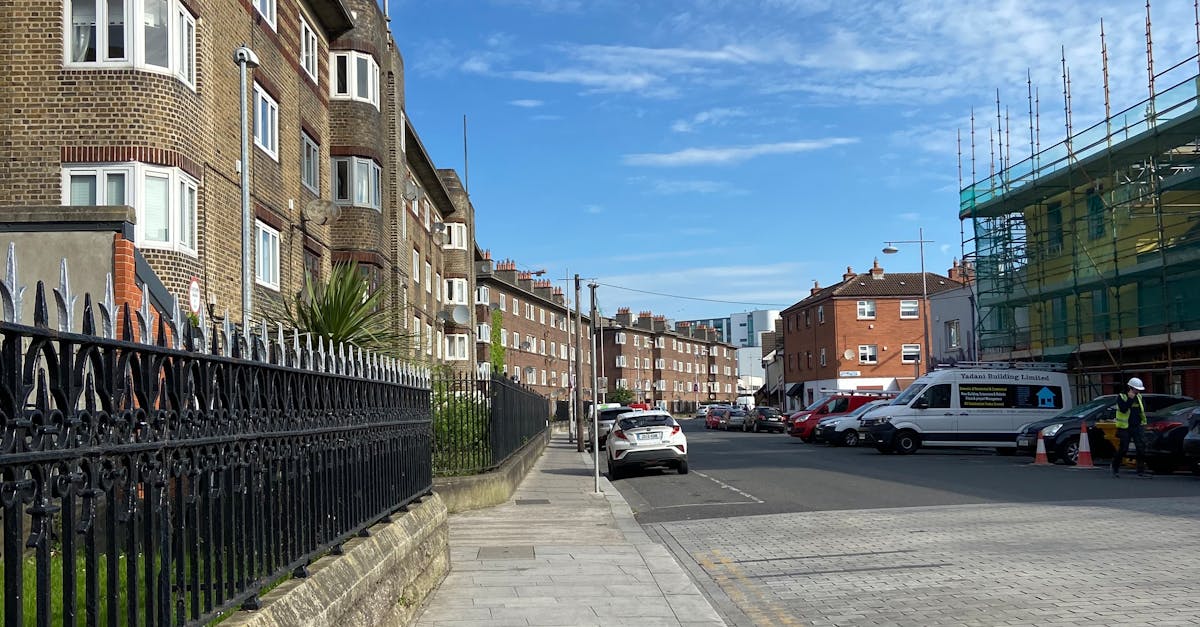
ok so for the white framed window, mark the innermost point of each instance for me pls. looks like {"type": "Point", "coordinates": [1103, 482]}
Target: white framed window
{"type": "Point", "coordinates": [309, 47]}
{"type": "Point", "coordinates": [456, 347]}
{"type": "Point", "coordinates": [483, 332]}
{"type": "Point", "coordinates": [356, 181]}
{"type": "Point", "coordinates": [108, 34]}
{"type": "Point", "coordinates": [483, 295]}
{"type": "Point", "coordinates": [622, 384]}
{"type": "Point", "coordinates": [910, 309]}
{"type": "Point", "coordinates": [266, 8]}
{"type": "Point", "coordinates": [620, 361]}
{"type": "Point", "coordinates": [867, 354]}
{"type": "Point", "coordinates": [637, 341]}
{"type": "Point", "coordinates": [562, 351]}
{"type": "Point", "coordinates": [866, 310]}
{"type": "Point", "coordinates": [822, 361]}
{"type": "Point", "coordinates": [456, 291]}
{"type": "Point", "coordinates": [164, 199]}
{"type": "Point", "coordinates": [310, 163]}
{"type": "Point", "coordinates": [542, 347]}
{"type": "Point", "coordinates": [355, 77]}
{"type": "Point", "coordinates": [429, 338]}
{"type": "Point", "coordinates": [660, 363]}
{"type": "Point", "coordinates": [541, 316]}
{"type": "Point", "coordinates": [621, 337]}
{"type": "Point", "coordinates": [553, 348]}
{"type": "Point", "coordinates": [516, 306]}
{"type": "Point", "coordinates": [952, 336]}
{"type": "Point", "coordinates": [266, 122]}
{"type": "Point", "coordinates": [456, 236]}
{"type": "Point", "coordinates": [503, 304]}
{"type": "Point", "coordinates": [659, 342]}
{"type": "Point", "coordinates": [437, 286]}
{"type": "Point", "coordinates": [504, 337]}
{"type": "Point", "coordinates": [416, 267]}
{"type": "Point", "coordinates": [428, 278]}
{"type": "Point", "coordinates": [821, 315]}
{"type": "Point", "coordinates": [910, 353]}
{"type": "Point", "coordinates": [266, 255]}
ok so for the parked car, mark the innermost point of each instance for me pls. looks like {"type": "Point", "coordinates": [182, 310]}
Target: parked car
{"type": "Point", "coordinates": [736, 419]}
{"type": "Point", "coordinates": [605, 419]}
{"type": "Point", "coordinates": [843, 430]}
{"type": "Point", "coordinates": [717, 416]}
{"type": "Point", "coordinates": [764, 419]}
{"type": "Point", "coordinates": [1163, 435]}
{"type": "Point", "coordinates": [1191, 442]}
{"type": "Point", "coordinates": [804, 423]}
{"type": "Point", "coordinates": [702, 411]}
{"type": "Point", "coordinates": [643, 439]}
{"type": "Point", "coordinates": [1061, 431]}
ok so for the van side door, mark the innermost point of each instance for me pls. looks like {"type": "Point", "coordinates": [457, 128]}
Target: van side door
{"type": "Point", "coordinates": [935, 414]}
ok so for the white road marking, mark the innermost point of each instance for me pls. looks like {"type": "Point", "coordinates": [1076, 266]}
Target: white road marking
{"type": "Point", "coordinates": [729, 487]}
{"type": "Point", "coordinates": [704, 504]}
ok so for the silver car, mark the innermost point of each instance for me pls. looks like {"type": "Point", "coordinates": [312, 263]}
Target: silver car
{"type": "Point", "coordinates": [604, 422]}
{"type": "Point", "coordinates": [737, 418]}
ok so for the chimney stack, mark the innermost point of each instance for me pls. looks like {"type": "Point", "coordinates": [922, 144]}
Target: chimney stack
{"type": "Point", "coordinates": [815, 288]}
{"type": "Point", "coordinates": [876, 270]}
{"type": "Point", "coordinates": [849, 274]}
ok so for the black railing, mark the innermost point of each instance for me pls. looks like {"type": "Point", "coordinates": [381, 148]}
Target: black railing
{"type": "Point", "coordinates": [480, 423]}
{"type": "Point", "coordinates": [154, 485]}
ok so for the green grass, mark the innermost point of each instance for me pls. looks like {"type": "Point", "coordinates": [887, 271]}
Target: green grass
{"type": "Point", "coordinates": [29, 588]}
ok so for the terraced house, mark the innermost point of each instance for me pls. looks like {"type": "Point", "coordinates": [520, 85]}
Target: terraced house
{"type": "Point", "coordinates": [123, 117]}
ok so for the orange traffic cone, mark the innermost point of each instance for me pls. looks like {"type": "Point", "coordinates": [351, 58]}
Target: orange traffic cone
{"type": "Point", "coordinates": [1085, 448]}
{"type": "Point", "coordinates": [1040, 458]}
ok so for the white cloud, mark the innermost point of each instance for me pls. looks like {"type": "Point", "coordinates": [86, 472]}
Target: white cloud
{"type": "Point", "coordinates": [527, 103]}
{"type": "Point", "coordinates": [593, 80]}
{"type": "Point", "coordinates": [910, 216]}
{"type": "Point", "coordinates": [668, 187]}
{"type": "Point", "coordinates": [730, 155]}
{"type": "Point", "coordinates": [593, 209]}
{"type": "Point", "coordinates": [712, 116]}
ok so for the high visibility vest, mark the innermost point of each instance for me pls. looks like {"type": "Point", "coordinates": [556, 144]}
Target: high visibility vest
{"type": "Point", "coordinates": [1123, 416]}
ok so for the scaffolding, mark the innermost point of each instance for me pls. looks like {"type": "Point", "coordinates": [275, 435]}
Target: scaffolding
{"type": "Point", "coordinates": [1087, 252]}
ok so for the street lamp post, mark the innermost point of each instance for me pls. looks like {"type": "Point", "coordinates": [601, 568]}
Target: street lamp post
{"type": "Point", "coordinates": [246, 60]}
{"type": "Point", "coordinates": [890, 249]}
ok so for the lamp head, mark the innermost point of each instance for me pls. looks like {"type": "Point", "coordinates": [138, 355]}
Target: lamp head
{"type": "Point", "coordinates": [890, 250]}
{"type": "Point", "coordinates": [246, 56]}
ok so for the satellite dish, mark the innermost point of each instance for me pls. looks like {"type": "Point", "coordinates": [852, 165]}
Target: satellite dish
{"type": "Point", "coordinates": [524, 346]}
{"type": "Point", "coordinates": [411, 191]}
{"type": "Point", "coordinates": [438, 227]}
{"type": "Point", "coordinates": [495, 306]}
{"type": "Point", "coordinates": [320, 211]}
{"type": "Point", "coordinates": [442, 317]}
{"type": "Point", "coordinates": [460, 314]}
{"type": "Point", "coordinates": [849, 354]}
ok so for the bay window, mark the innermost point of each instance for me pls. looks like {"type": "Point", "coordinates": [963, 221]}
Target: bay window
{"type": "Point", "coordinates": [456, 291]}
{"type": "Point", "coordinates": [356, 181]}
{"type": "Point", "coordinates": [456, 347]}
{"type": "Point", "coordinates": [355, 77]}
{"type": "Point", "coordinates": [456, 236]}
{"type": "Point", "coordinates": [164, 199]}
{"type": "Point", "coordinates": [98, 33]}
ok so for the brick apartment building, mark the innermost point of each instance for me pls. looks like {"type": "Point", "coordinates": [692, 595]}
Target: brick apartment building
{"type": "Point", "coordinates": [144, 113]}
{"type": "Point", "coordinates": [865, 332]}
{"type": "Point", "coordinates": [534, 329]}
{"type": "Point", "coordinates": [674, 369]}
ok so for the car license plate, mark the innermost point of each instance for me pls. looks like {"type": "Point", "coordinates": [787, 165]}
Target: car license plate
{"type": "Point", "coordinates": [642, 437]}
{"type": "Point", "coordinates": [1024, 441]}
{"type": "Point", "coordinates": [773, 419]}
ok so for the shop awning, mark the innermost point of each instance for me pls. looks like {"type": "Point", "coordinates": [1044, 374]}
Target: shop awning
{"type": "Point", "coordinates": [796, 390]}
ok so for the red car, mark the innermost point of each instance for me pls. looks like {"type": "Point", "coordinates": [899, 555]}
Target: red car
{"type": "Point", "coordinates": [805, 421]}
{"type": "Point", "coordinates": [716, 417]}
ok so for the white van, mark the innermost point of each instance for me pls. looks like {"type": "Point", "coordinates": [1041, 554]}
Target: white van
{"type": "Point", "coordinates": [974, 405]}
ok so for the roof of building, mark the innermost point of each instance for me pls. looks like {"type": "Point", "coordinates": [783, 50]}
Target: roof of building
{"type": "Point", "coordinates": [879, 284]}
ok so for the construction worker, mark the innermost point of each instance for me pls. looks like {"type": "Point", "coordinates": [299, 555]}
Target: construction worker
{"type": "Point", "coordinates": [1131, 413]}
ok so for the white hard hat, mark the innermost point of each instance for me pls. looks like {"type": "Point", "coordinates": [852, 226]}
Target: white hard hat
{"type": "Point", "coordinates": [1136, 384]}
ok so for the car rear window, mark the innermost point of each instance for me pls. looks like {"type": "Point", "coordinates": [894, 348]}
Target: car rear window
{"type": "Point", "coordinates": [633, 422]}
{"type": "Point", "coordinates": [769, 411]}
{"type": "Point", "coordinates": [737, 412]}
{"type": "Point", "coordinates": [611, 414]}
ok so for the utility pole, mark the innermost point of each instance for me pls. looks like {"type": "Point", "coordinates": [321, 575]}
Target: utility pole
{"type": "Point", "coordinates": [578, 374]}
{"type": "Point", "coordinates": [572, 413]}
{"type": "Point", "coordinates": [595, 387]}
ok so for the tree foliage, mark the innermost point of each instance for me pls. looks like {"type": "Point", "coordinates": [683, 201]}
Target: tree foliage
{"type": "Point", "coordinates": [497, 350]}
{"type": "Point", "coordinates": [343, 309]}
{"type": "Point", "coordinates": [620, 395]}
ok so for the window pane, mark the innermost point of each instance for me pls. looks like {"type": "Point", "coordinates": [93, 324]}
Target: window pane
{"type": "Point", "coordinates": [187, 47]}
{"type": "Point", "coordinates": [362, 183]}
{"type": "Point", "coordinates": [362, 77]}
{"type": "Point", "coordinates": [83, 189]}
{"type": "Point", "coordinates": [155, 20]}
{"type": "Point", "coordinates": [114, 189]}
{"type": "Point", "coordinates": [83, 30]}
{"type": "Point", "coordinates": [116, 29]}
{"type": "Point", "coordinates": [157, 209]}
{"type": "Point", "coordinates": [341, 179]}
{"type": "Point", "coordinates": [342, 75]}
{"type": "Point", "coordinates": [187, 215]}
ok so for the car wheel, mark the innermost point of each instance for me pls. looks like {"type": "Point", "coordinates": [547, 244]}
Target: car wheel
{"type": "Point", "coordinates": [1162, 465]}
{"type": "Point", "coordinates": [907, 442]}
{"type": "Point", "coordinates": [1068, 452]}
{"type": "Point", "coordinates": [614, 473]}
{"type": "Point", "coordinates": [683, 467]}
{"type": "Point", "coordinates": [850, 438]}
{"type": "Point", "coordinates": [1195, 464]}
{"type": "Point", "coordinates": [809, 439]}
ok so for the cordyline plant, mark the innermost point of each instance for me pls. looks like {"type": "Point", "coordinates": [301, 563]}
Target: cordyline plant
{"type": "Point", "coordinates": [344, 309]}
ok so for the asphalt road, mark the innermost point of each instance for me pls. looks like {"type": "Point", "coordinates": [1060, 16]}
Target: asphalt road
{"type": "Point", "coordinates": [742, 474]}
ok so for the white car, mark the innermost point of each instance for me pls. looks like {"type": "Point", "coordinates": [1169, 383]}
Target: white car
{"type": "Point", "coordinates": [843, 430]}
{"type": "Point", "coordinates": [641, 439]}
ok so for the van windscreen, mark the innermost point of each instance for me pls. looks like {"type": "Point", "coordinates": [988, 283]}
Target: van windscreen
{"type": "Point", "coordinates": [909, 393]}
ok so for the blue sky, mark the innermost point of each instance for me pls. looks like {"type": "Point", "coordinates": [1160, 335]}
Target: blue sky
{"type": "Point", "coordinates": [738, 150]}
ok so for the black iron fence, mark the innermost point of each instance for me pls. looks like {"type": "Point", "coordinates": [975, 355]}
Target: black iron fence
{"type": "Point", "coordinates": [479, 423]}
{"type": "Point", "coordinates": [159, 485]}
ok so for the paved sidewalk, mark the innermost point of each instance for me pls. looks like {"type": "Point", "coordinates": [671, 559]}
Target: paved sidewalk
{"type": "Point", "coordinates": [559, 554]}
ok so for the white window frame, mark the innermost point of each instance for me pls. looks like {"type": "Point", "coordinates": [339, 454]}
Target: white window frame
{"type": "Point", "coordinates": [456, 291]}
{"type": "Point", "coordinates": [181, 39]}
{"type": "Point", "coordinates": [416, 267]}
{"type": "Point", "coordinates": [866, 310]}
{"type": "Point", "coordinates": [181, 187]}
{"type": "Point", "coordinates": [456, 236]}
{"type": "Point", "coordinates": [270, 280]}
{"type": "Point", "coordinates": [310, 163]}
{"type": "Point", "coordinates": [820, 314]}
{"type": "Point", "coordinates": [868, 354]}
{"type": "Point", "coordinates": [620, 361]}
{"type": "Point", "coordinates": [352, 58]}
{"type": "Point", "coordinates": [620, 338]}
{"type": "Point", "coordinates": [428, 278]}
{"type": "Point", "coordinates": [457, 347]}
{"type": "Point", "coordinates": [483, 295]}
{"type": "Point", "coordinates": [822, 361]}
{"type": "Point", "coordinates": [364, 189]}
{"type": "Point", "coordinates": [915, 312]}
{"type": "Point", "coordinates": [503, 304]}
{"type": "Point", "coordinates": [267, 9]}
{"type": "Point", "coordinates": [504, 338]}
{"type": "Point", "coordinates": [310, 49]}
{"type": "Point", "coordinates": [907, 353]}
{"type": "Point", "coordinates": [266, 132]}
{"type": "Point", "coordinates": [483, 332]}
